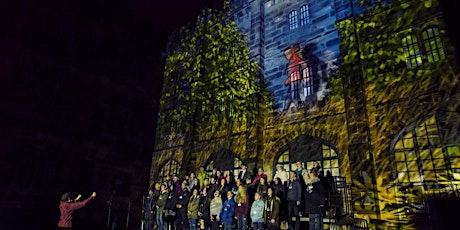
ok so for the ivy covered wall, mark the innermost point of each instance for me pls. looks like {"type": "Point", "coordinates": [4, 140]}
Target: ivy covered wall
{"type": "Point", "coordinates": [389, 110]}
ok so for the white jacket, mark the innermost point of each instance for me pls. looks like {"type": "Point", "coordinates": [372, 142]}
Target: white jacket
{"type": "Point", "coordinates": [283, 175]}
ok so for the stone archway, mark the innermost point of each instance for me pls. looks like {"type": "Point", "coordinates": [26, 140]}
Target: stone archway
{"type": "Point", "coordinates": [426, 170]}
{"type": "Point", "coordinates": [307, 149]}
{"type": "Point", "coordinates": [223, 159]}
{"type": "Point", "coordinates": [168, 167]}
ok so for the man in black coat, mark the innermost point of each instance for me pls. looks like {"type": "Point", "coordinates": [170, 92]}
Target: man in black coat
{"type": "Point", "coordinates": [149, 209]}
{"type": "Point", "coordinates": [293, 197]}
{"type": "Point", "coordinates": [181, 205]}
{"type": "Point", "coordinates": [244, 173]}
{"type": "Point", "coordinates": [315, 195]}
{"type": "Point", "coordinates": [170, 206]}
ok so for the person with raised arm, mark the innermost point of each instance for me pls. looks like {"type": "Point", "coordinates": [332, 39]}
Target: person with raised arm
{"type": "Point", "coordinates": [68, 206]}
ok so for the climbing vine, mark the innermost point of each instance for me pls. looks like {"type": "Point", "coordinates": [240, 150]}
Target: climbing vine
{"type": "Point", "coordinates": [396, 94]}
{"type": "Point", "coordinates": [211, 86]}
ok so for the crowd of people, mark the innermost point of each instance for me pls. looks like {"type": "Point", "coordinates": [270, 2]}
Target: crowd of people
{"type": "Point", "coordinates": [221, 200]}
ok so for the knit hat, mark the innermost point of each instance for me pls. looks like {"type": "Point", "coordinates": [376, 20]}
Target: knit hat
{"type": "Point", "coordinates": [66, 196]}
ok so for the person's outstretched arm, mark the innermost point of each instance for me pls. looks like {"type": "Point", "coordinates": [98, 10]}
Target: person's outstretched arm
{"type": "Point", "coordinates": [81, 204]}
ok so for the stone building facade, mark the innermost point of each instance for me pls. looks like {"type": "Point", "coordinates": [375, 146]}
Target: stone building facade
{"type": "Point", "coordinates": [388, 127]}
{"type": "Point", "coordinates": [276, 29]}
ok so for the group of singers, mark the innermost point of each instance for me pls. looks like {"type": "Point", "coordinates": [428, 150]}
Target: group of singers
{"type": "Point", "coordinates": [246, 201]}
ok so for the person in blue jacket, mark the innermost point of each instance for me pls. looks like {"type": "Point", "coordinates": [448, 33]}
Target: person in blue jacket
{"type": "Point", "coordinates": [228, 210]}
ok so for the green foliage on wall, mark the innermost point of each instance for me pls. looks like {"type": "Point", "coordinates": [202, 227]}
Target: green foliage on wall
{"type": "Point", "coordinates": [395, 95]}
{"type": "Point", "coordinates": [210, 82]}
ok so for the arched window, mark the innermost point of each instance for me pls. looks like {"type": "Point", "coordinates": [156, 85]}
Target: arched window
{"type": "Point", "coordinates": [426, 48]}
{"type": "Point", "coordinates": [292, 20]}
{"type": "Point", "coordinates": [283, 159]}
{"type": "Point", "coordinates": [304, 15]}
{"type": "Point", "coordinates": [236, 166]}
{"type": "Point", "coordinates": [420, 155]}
{"type": "Point", "coordinates": [411, 51]}
{"type": "Point", "coordinates": [330, 161]}
{"type": "Point", "coordinates": [307, 74]}
{"type": "Point", "coordinates": [433, 45]}
{"type": "Point", "coordinates": [327, 158]}
{"type": "Point", "coordinates": [169, 168]}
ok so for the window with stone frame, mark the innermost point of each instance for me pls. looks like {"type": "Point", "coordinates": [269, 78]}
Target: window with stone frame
{"type": "Point", "coordinates": [412, 51]}
{"type": "Point", "coordinates": [304, 15]}
{"type": "Point", "coordinates": [170, 168]}
{"type": "Point", "coordinates": [329, 161]}
{"type": "Point", "coordinates": [308, 81]}
{"type": "Point", "coordinates": [432, 43]}
{"type": "Point", "coordinates": [427, 47]}
{"type": "Point", "coordinates": [236, 167]}
{"type": "Point", "coordinates": [283, 160]}
{"type": "Point", "coordinates": [292, 20]}
{"type": "Point", "coordinates": [420, 155]}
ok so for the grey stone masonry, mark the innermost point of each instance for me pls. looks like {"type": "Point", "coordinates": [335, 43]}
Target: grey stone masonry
{"type": "Point", "coordinates": [276, 29]}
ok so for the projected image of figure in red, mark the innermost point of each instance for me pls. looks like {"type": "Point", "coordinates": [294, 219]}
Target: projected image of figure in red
{"type": "Point", "coordinates": [296, 72]}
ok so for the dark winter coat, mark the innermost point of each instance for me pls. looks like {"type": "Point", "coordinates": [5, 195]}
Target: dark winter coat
{"type": "Point", "coordinates": [171, 200]}
{"type": "Point", "coordinates": [183, 198]}
{"type": "Point", "coordinates": [149, 207]}
{"type": "Point", "coordinates": [294, 190]}
{"type": "Point", "coordinates": [205, 206]}
{"type": "Point", "coordinates": [315, 196]}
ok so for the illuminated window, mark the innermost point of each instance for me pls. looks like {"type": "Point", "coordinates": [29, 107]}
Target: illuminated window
{"type": "Point", "coordinates": [433, 44]}
{"type": "Point", "coordinates": [329, 160]}
{"type": "Point", "coordinates": [308, 81]}
{"type": "Point", "coordinates": [411, 51]}
{"type": "Point", "coordinates": [293, 20]}
{"type": "Point", "coordinates": [236, 166]}
{"type": "Point", "coordinates": [295, 79]}
{"type": "Point", "coordinates": [300, 80]}
{"type": "Point", "coordinates": [453, 152]}
{"type": "Point", "coordinates": [304, 15]}
{"type": "Point", "coordinates": [427, 49]}
{"type": "Point", "coordinates": [284, 161]}
{"type": "Point", "coordinates": [419, 155]}
{"type": "Point", "coordinates": [169, 168]}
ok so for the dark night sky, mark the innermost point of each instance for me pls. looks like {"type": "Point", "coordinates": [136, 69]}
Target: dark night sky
{"type": "Point", "coordinates": [102, 40]}
{"type": "Point", "coordinates": [107, 32]}
{"type": "Point", "coordinates": [116, 41]}
{"type": "Point", "coordinates": [114, 38]}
